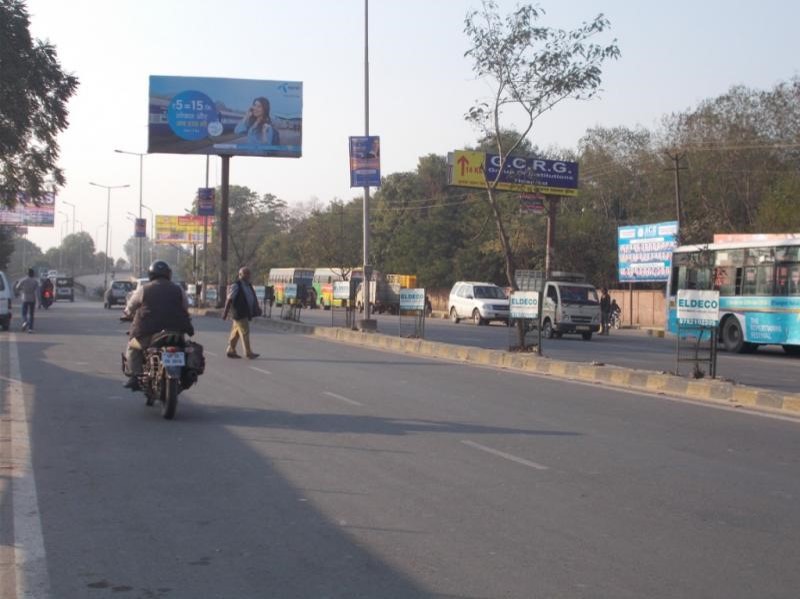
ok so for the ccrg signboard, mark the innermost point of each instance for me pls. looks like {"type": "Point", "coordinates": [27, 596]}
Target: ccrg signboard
{"type": "Point", "coordinates": [644, 252]}
{"type": "Point", "coordinates": [204, 115]}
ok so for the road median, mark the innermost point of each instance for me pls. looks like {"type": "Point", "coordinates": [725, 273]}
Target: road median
{"type": "Point", "coordinates": [711, 390]}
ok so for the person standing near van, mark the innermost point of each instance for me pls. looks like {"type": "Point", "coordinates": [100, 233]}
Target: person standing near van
{"type": "Point", "coordinates": [28, 289]}
{"type": "Point", "coordinates": [605, 311]}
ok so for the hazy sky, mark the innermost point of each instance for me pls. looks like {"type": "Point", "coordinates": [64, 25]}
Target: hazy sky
{"type": "Point", "coordinates": [674, 54]}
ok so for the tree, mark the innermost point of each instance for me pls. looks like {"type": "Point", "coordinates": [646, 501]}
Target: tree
{"type": "Point", "coordinates": [530, 69]}
{"type": "Point", "coordinates": [33, 107]}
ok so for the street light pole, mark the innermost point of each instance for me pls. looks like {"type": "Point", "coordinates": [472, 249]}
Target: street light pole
{"type": "Point", "coordinates": [141, 156]}
{"type": "Point", "coordinates": [151, 231]}
{"type": "Point", "coordinates": [61, 240]}
{"type": "Point", "coordinates": [108, 188]}
{"type": "Point", "coordinates": [73, 213]}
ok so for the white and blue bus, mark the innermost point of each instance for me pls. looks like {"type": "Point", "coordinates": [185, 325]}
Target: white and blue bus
{"type": "Point", "coordinates": [759, 289]}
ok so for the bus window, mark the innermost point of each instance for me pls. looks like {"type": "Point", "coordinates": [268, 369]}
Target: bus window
{"type": "Point", "coordinates": [749, 282]}
{"type": "Point", "coordinates": [794, 281]}
{"type": "Point", "coordinates": [698, 278]}
{"type": "Point", "coordinates": [725, 280]}
{"type": "Point", "coordinates": [782, 280]}
{"type": "Point", "coordinates": [764, 280]}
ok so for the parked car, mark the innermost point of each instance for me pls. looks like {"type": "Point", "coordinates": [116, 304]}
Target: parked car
{"type": "Point", "coordinates": [117, 293]}
{"type": "Point", "coordinates": [482, 302]}
{"type": "Point", "coordinates": [6, 295]}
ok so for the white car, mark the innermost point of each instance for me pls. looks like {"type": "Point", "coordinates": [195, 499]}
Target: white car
{"type": "Point", "coordinates": [482, 302]}
{"type": "Point", "coordinates": [6, 295]}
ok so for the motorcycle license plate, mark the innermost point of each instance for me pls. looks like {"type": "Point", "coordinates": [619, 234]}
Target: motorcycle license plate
{"type": "Point", "coordinates": [177, 358]}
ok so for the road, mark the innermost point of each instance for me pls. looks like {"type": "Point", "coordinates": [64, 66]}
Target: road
{"type": "Point", "coordinates": [326, 470]}
{"type": "Point", "coordinates": [769, 368]}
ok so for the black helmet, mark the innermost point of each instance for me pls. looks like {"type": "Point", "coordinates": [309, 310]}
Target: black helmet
{"type": "Point", "coordinates": [159, 269]}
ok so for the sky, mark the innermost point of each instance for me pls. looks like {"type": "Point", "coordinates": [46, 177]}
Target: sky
{"type": "Point", "coordinates": [674, 55]}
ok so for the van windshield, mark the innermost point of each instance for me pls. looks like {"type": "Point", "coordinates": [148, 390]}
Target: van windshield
{"type": "Point", "coordinates": [573, 294]}
{"type": "Point", "coordinates": [487, 292]}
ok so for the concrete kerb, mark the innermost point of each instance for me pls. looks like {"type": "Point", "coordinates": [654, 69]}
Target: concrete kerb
{"type": "Point", "coordinates": [653, 382]}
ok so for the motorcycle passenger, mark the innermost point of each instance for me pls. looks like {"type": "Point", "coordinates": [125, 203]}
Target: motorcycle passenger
{"type": "Point", "coordinates": [46, 292]}
{"type": "Point", "coordinates": [155, 306]}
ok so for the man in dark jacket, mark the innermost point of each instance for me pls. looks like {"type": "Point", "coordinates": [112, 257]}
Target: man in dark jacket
{"type": "Point", "coordinates": [242, 303]}
{"type": "Point", "coordinates": [154, 307]}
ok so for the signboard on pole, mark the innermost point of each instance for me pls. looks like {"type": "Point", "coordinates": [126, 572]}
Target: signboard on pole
{"type": "Point", "coordinates": [528, 175]}
{"type": "Point", "coordinates": [365, 161]}
{"type": "Point", "coordinates": [532, 203]}
{"type": "Point", "coordinates": [645, 251]}
{"type": "Point", "coordinates": [698, 308]}
{"type": "Point", "coordinates": [412, 299]}
{"type": "Point", "coordinates": [186, 229]}
{"type": "Point", "coordinates": [524, 305]}
{"type": "Point", "coordinates": [290, 291]}
{"type": "Point", "coordinates": [30, 212]}
{"type": "Point", "coordinates": [140, 228]}
{"type": "Point", "coordinates": [205, 201]}
{"type": "Point", "coordinates": [341, 290]}
{"type": "Point", "coordinates": [228, 117]}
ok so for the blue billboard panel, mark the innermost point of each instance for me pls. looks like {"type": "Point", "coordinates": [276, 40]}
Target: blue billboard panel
{"type": "Point", "coordinates": [234, 117]}
{"type": "Point", "coordinates": [365, 161]}
{"type": "Point", "coordinates": [645, 252]}
{"type": "Point", "coordinates": [554, 177]}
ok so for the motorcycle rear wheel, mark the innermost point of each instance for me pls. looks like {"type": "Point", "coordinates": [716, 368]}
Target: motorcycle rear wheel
{"type": "Point", "coordinates": [170, 398]}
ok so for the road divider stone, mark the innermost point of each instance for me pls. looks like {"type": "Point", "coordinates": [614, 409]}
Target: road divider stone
{"type": "Point", "coordinates": [653, 382]}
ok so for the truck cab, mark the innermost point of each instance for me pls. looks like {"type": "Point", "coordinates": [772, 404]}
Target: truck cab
{"type": "Point", "coordinates": [570, 306]}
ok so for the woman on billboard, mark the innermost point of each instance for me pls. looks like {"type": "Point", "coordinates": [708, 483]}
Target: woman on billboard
{"type": "Point", "coordinates": [258, 124]}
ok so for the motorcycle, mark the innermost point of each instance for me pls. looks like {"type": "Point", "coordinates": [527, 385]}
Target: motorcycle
{"type": "Point", "coordinates": [47, 298]}
{"type": "Point", "coordinates": [616, 319]}
{"type": "Point", "coordinates": [171, 365]}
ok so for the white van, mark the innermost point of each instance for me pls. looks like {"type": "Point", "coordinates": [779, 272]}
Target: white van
{"type": "Point", "coordinates": [6, 295]}
{"type": "Point", "coordinates": [570, 307]}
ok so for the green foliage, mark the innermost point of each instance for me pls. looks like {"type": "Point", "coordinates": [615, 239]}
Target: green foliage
{"type": "Point", "coordinates": [33, 98]}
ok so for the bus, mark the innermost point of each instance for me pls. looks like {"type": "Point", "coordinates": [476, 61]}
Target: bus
{"type": "Point", "coordinates": [759, 290]}
{"type": "Point", "coordinates": [278, 277]}
{"type": "Point", "coordinates": [324, 279]}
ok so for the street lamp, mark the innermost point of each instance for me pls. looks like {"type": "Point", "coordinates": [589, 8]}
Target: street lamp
{"type": "Point", "coordinates": [141, 156]}
{"type": "Point", "coordinates": [108, 188]}
{"type": "Point", "coordinates": [73, 213]}
{"type": "Point", "coordinates": [61, 240]}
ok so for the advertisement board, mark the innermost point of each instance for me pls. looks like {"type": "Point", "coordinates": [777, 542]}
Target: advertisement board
{"type": "Point", "coordinates": [365, 161]}
{"type": "Point", "coordinates": [524, 305]}
{"type": "Point", "coordinates": [412, 299]}
{"type": "Point", "coordinates": [205, 201]}
{"type": "Point", "coordinates": [644, 252]}
{"type": "Point", "coordinates": [527, 175]}
{"type": "Point", "coordinates": [29, 212]}
{"type": "Point", "coordinates": [699, 308]}
{"type": "Point", "coordinates": [341, 290]}
{"type": "Point", "coordinates": [234, 117]}
{"type": "Point", "coordinates": [182, 229]}
{"type": "Point", "coordinates": [140, 228]}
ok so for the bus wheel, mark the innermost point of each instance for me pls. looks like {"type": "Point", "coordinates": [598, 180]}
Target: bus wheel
{"type": "Point", "coordinates": [792, 350]}
{"type": "Point", "coordinates": [733, 338]}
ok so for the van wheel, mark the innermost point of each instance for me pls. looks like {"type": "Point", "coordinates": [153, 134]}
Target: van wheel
{"type": "Point", "coordinates": [547, 329]}
{"type": "Point", "coordinates": [454, 316]}
{"type": "Point", "coordinates": [476, 318]}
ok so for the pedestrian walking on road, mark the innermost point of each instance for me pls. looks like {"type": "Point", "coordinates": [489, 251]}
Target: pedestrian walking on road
{"type": "Point", "coordinates": [242, 304]}
{"type": "Point", "coordinates": [29, 290]}
{"type": "Point", "coordinates": [605, 311]}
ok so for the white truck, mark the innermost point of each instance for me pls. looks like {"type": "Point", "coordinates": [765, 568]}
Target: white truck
{"type": "Point", "coordinates": [569, 304]}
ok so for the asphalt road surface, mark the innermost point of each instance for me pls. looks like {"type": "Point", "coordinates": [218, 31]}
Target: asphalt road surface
{"type": "Point", "coordinates": [323, 470]}
{"type": "Point", "coordinates": [769, 368]}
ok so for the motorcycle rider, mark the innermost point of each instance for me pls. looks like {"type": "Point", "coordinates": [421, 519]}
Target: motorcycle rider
{"type": "Point", "coordinates": [46, 292]}
{"type": "Point", "coordinates": [155, 306]}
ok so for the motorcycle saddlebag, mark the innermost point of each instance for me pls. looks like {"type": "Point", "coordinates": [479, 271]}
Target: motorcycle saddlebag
{"type": "Point", "coordinates": [195, 359]}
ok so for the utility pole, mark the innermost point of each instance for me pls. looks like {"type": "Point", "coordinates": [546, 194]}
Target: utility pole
{"type": "Point", "coordinates": [677, 168]}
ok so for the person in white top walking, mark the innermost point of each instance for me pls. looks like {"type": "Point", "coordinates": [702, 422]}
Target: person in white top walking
{"type": "Point", "coordinates": [29, 290]}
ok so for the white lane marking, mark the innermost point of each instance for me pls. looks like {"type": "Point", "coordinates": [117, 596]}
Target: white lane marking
{"type": "Point", "coordinates": [505, 455]}
{"type": "Point", "coordinates": [342, 398]}
{"type": "Point", "coordinates": [211, 353]}
{"type": "Point", "coordinates": [261, 370]}
{"type": "Point", "coordinates": [29, 556]}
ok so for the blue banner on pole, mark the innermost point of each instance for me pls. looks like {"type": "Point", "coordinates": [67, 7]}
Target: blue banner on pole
{"type": "Point", "coordinates": [365, 161]}
{"type": "Point", "coordinates": [205, 201]}
{"type": "Point", "coordinates": [645, 251]}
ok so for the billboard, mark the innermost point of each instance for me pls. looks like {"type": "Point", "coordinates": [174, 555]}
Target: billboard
{"type": "Point", "coordinates": [182, 229]}
{"type": "Point", "coordinates": [234, 117]}
{"type": "Point", "coordinates": [645, 251]}
{"type": "Point", "coordinates": [365, 161]}
{"type": "Point", "coordinates": [29, 212]}
{"type": "Point", "coordinates": [527, 175]}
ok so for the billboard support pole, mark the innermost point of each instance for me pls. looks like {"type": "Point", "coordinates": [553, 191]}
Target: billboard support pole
{"type": "Point", "coordinates": [552, 205]}
{"type": "Point", "coordinates": [205, 245]}
{"type": "Point", "coordinates": [223, 232]}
